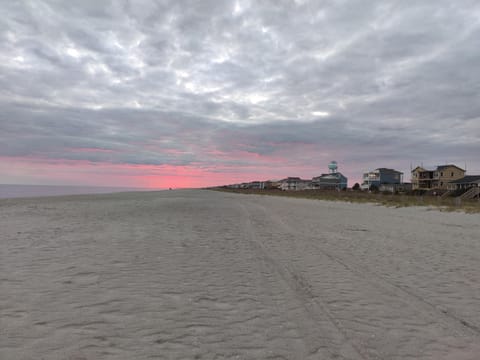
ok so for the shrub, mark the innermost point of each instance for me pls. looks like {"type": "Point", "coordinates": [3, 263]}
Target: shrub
{"type": "Point", "coordinates": [373, 188]}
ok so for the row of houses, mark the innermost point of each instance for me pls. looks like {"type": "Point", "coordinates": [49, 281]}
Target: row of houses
{"type": "Point", "coordinates": [448, 177]}
{"type": "Point", "coordinates": [333, 180]}
{"type": "Point", "coordinates": [330, 181]}
{"type": "Point", "coordinates": [441, 179]}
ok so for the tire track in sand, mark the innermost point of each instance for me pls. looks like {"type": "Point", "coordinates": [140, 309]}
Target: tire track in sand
{"type": "Point", "coordinates": [313, 307]}
{"type": "Point", "coordinates": [414, 323]}
{"type": "Point", "coordinates": [463, 327]}
{"type": "Point", "coordinates": [398, 320]}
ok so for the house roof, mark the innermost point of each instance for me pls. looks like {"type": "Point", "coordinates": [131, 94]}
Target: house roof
{"type": "Point", "coordinates": [442, 167]}
{"type": "Point", "coordinates": [293, 179]}
{"type": "Point", "coordinates": [469, 179]}
{"type": "Point", "coordinates": [334, 176]}
{"type": "Point", "coordinates": [290, 178]}
{"type": "Point", "coordinates": [438, 168]}
{"type": "Point", "coordinates": [420, 168]}
{"type": "Point", "coordinates": [389, 170]}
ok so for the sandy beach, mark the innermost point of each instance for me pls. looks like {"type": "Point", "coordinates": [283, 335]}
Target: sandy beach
{"type": "Point", "coordinates": [197, 274]}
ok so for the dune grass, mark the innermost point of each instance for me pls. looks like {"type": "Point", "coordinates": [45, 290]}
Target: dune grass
{"type": "Point", "coordinates": [385, 199]}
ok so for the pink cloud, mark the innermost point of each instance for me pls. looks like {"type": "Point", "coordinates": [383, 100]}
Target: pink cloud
{"type": "Point", "coordinates": [90, 150]}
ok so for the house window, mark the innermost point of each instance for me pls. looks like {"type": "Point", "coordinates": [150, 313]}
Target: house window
{"type": "Point", "coordinates": [441, 173]}
{"type": "Point", "coordinates": [451, 174]}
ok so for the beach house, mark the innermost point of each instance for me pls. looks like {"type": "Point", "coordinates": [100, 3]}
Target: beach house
{"type": "Point", "coordinates": [295, 183]}
{"type": "Point", "coordinates": [381, 176]}
{"type": "Point", "coordinates": [466, 182]}
{"type": "Point", "coordinates": [334, 180]}
{"type": "Point", "coordinates": [438, 178]}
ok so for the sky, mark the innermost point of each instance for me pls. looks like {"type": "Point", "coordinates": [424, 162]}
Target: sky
{"type": "Point", "coordinates": [201, 93]}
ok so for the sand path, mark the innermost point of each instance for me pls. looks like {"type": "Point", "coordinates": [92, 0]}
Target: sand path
{"type": "Point", "coordinates": [209, 275]}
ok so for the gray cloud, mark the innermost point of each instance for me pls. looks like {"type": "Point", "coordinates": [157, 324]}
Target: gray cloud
{"type": "Point", "coordinates": [372, 84]}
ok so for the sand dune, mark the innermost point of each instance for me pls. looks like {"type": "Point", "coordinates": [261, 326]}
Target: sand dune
{"type": "Point", "coordinates": [209, 275]}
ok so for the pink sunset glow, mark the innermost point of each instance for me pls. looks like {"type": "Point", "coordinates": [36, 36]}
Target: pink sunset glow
{"type": "Point", "coordinates": [74, 172]}
{"type": "Point", "coordinates": [42, 170]}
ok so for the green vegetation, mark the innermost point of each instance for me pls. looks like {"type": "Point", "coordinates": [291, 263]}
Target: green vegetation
{"type": "Point", "coordinates": [386, 199]}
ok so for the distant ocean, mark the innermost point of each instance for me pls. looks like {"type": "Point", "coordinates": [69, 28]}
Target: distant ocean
{"type": "Point", "coordinates": [16, 191]}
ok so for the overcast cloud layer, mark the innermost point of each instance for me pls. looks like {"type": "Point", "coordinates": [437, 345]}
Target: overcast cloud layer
{"type": "Point", "coordinates": [243, 89]}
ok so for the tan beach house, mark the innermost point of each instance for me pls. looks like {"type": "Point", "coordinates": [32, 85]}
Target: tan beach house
{"type": "Point", "coordinates": [438, 178]}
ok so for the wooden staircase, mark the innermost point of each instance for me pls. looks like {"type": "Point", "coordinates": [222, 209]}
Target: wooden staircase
{"type": "Point", "coordinates": [471, 193]}
{"type": "Point", "coordinates": [446, 194]}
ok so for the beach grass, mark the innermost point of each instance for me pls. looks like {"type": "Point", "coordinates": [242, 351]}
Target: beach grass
{"type": "Point", "coordinates": [385, 199]}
